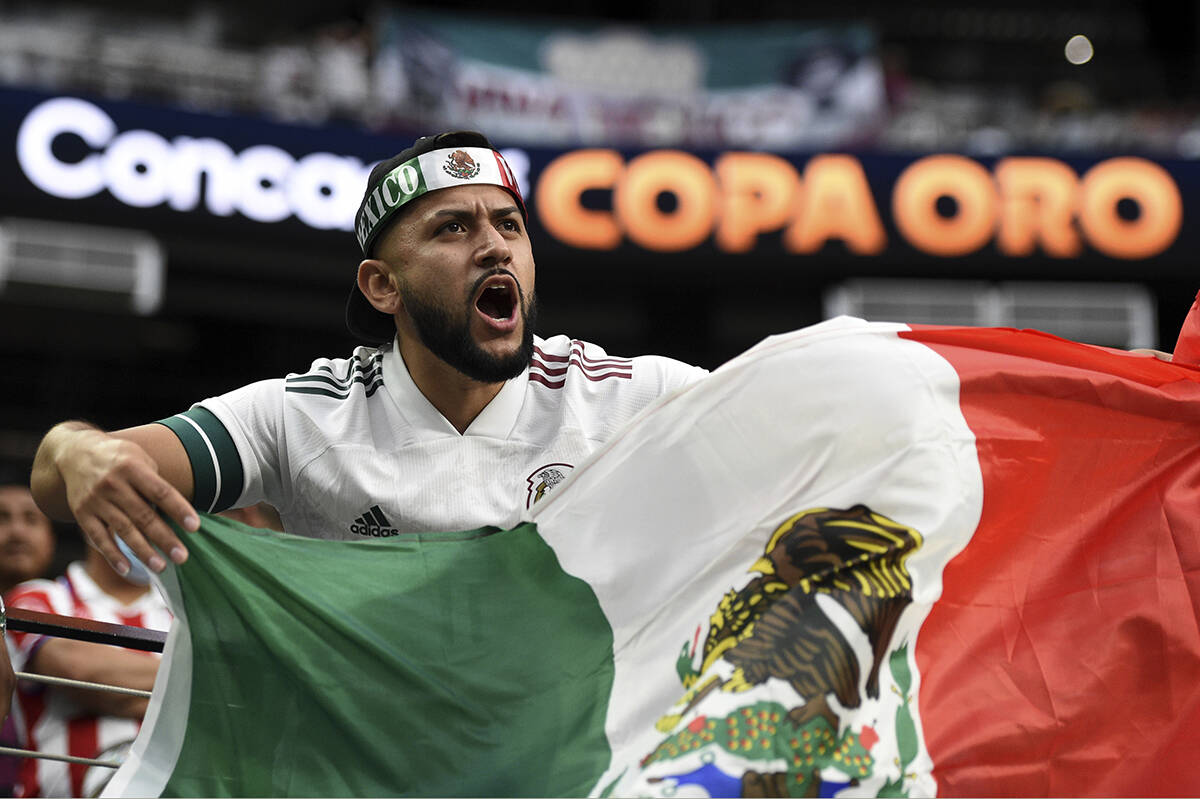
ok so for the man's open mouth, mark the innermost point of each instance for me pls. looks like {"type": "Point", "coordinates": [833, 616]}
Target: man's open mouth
{"type": "Point", "coordinates": [497, 299]}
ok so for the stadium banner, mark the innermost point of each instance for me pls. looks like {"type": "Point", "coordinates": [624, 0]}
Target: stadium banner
{"type": "Point", "coordinates": [861, 559]}
{"type": "Point", "coordinates": [775, 85]}
{"type": "Point", "coordinates": [186, 174]}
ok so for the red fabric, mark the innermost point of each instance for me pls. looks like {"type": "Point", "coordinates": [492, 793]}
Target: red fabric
{"type": "Point", "coordinates": [1064, 655]}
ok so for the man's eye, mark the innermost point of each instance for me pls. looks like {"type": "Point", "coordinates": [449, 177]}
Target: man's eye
{"type": "Point", "coordinates": [510, 224]}
{"type": "Point", "coordinates": [452, 227]}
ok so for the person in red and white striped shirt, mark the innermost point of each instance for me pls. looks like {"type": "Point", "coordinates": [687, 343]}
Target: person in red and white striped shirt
{"type": "Point", "coordinates": [78, 722]}
{"type": "Point", "coordinates": [6, 677]}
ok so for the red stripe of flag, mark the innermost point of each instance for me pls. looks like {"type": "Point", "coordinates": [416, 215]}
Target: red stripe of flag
{"type": "Point", "coordinates": [1063, 657]}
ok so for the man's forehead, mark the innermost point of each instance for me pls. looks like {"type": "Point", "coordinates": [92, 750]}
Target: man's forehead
{"type": "Point", "coordinates": [15, 494]}
{"type": "Point", "coordinates": [463, 198]}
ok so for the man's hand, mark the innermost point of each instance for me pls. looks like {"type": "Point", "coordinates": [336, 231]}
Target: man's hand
{"type": "Point", "coordinates": [1162, 356]}
{"type": "Point", "coordinates": [117, 484]}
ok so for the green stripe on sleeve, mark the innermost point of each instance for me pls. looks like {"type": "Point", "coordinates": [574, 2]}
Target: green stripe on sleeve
{"type": "Point", "coordinates": [216, 465]}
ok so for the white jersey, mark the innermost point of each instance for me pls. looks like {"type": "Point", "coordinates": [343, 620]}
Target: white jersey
{"type": "Point", "coordinates": [49, 720]}
{"type": "Point", "coordinates": [352, 449]}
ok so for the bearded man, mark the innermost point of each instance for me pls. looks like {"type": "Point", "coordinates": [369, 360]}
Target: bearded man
{"type": "Point", "coordinates": [456, 415]}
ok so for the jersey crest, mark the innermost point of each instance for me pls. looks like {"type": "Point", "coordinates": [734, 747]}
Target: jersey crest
{"type": "Point", "coordinates": [544, 480]}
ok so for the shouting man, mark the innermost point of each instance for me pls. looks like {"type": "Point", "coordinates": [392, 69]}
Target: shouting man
{"type": "Point", "coordinates": [457, 416]}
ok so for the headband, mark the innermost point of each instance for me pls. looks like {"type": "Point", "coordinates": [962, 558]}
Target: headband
{"type": "Point", "coordinates": [437, 169]}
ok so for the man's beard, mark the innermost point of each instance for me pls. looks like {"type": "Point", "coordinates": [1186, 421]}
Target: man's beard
{"type": "Point", "coordinates": [448, 335]}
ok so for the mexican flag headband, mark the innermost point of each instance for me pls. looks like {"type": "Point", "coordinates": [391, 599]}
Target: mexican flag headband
{"type": "Point", "coordinates": [436, 169]}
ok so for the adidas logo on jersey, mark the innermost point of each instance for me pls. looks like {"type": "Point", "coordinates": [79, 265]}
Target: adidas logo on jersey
{"type": "Point", "coordinates": [373, 523]}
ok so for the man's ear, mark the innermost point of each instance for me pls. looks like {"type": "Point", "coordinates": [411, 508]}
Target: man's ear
{"type": "Point", "coordinates": [377, 284]}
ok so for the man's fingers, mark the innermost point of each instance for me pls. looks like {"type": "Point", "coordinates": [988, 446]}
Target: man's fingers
{"type": "Point", "coordinates": [125, 495]}
{"type": "Point", "coordinates": [162, 495]}
{"type": "Point", "coordinates": [168, 500]}
{"type": "Point", "coordinates": [1162, 356]}
{"type": "Point", "coordinates": [97, 533]}
{"type": "Point", "coordinates": [119, 524]}
{"type": "Point", "coordinates": [148, 522]}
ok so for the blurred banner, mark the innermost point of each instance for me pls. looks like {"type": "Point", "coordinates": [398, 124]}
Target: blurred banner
{"type": "Point", "coordinates": [172, 172]}
{"type": "Point", "coordinates": [777, 85]}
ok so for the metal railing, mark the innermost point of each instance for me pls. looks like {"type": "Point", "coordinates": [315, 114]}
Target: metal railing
{"type": "Point", "coordinates": [97, 632]}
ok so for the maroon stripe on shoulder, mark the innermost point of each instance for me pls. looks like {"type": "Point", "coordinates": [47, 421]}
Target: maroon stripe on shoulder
{"type": "Point", "coordinates": [587, 370]}
{"type": "Point", "coordinates": [555, 377]}
{"type": "Point", "coordinates": [545, 381]}
{"type": "Point", "coordinates": [577, 351]}
{"type": "Point", "coordinates": [547, 357]}
{"type": "Point", "coordinates": [598, 378]}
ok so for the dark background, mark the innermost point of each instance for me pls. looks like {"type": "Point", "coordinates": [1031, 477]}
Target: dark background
{"type": "Point", "coordinates": [247, 301]}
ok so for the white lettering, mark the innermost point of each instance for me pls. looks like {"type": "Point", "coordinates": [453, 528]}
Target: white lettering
{"type": "Point", "coordinates": [409, 179]}
{"type": "Point", "coordinates": [136, 168]}
{"type": "Point", "coordinates": [142, 169]}
{"type": "Point", "coordinates": [35, 140]}
{"type": "Point", "coordinates": [264, 171]}
{"type": "Point", "coordinates": [369, 209]}
{"type": "Point", "coordinates": [324, 190]}
{"type": "Point", "coordinates": [391, 191]}
{"type": "Point", "coordinates": [203, 159]}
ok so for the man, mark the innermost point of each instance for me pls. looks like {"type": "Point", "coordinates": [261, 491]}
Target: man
{"type": "Point", "coordinates": [457, 417]}
{"type": "Point", "coordinates": [26, 537]}
{"type": "Point", "coordinates": [83, 723]}
{"type": "Point", "coordinates": [27, 543]}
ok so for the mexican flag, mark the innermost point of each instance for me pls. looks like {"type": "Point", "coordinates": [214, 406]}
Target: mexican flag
{"type": "Point", "coordinates": [860, 559]}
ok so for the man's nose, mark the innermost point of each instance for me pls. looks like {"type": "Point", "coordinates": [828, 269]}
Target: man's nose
{"type": "Point", "coordinates": [493, 248]}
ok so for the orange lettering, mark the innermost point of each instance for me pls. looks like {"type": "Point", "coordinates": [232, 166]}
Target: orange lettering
{"type": "Point", "coordinates": [1038, 206]}
{"type": "Point", "coordinates": [914, 205]}
{"type": "Point", "coordinates": [681, 174]}
{"type": "Point", "coordinates": [759, 192]}
{"type": "Point", "coordinates": [1160, 208]}
{"type": "Point", "coordinates": [836, 203]}
{"type": "Point", "coordinates": [560, 188]}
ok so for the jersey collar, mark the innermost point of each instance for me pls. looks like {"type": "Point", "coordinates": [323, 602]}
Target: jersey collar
{"type": "Point", "coordinates": [496, 420]}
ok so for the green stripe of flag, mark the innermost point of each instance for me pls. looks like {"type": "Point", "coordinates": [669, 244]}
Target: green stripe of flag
{"type": "Point", "coordinates": [488, 674]}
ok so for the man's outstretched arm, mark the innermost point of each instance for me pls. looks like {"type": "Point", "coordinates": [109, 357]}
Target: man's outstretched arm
{"type": "Point", "coordinates": [117, 483]}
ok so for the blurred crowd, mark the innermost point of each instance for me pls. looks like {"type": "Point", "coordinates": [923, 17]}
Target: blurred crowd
{"type": "Point", "coordinates": [344, 71]}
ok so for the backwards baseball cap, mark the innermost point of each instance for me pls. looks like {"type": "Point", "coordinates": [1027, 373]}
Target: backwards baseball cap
{"type": "Point", "coordinates": [442, 161]}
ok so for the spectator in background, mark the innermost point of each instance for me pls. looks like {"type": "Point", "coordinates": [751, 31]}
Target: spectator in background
{"type": "Point", "coordinates": [26, 550]}
{"type": "Point", "coordinates": [78, 722]}
{"type": "Point", "coordinates": [341, 55]}
{"type": "Point", "coordinates": [26, 537]}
